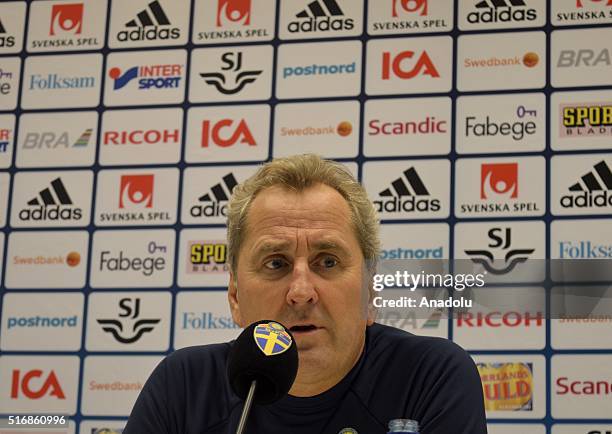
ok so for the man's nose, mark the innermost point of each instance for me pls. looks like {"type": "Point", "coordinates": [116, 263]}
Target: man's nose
{"type": "Point", "coordinates": [302, 289]}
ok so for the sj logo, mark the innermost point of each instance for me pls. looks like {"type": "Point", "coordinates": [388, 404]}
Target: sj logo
{"type": "Point", "coordinates": [397, 67]}
{"type": "Point", "coordinates": [226, 132]}
{"type": "Point", "coordinates": [410, 6]}
{"type": "Point", "coordinates": [30, 380]}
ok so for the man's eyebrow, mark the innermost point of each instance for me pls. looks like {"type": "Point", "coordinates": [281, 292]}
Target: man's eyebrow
{"type": "Point", "coordinates": [329, 245]}
{"type": "Point", "coordinates": [268, 246]}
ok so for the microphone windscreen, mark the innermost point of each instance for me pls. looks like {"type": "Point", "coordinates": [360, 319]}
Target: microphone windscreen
{"type": "Point", "coordinates": [265, 351]}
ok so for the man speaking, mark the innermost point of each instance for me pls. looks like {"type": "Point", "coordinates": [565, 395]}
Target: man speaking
{"type": "Point", "coordinates": [303, 244]}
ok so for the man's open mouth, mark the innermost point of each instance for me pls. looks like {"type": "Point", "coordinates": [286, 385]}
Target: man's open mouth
{"type": "Point", "coordinates": [303, 328]}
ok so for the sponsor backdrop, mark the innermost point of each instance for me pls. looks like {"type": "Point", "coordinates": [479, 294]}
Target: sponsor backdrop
{"type": "Point", "coordinates": [482, 130]}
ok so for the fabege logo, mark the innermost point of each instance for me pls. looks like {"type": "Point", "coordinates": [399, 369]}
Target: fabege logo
{"type": "Point", "coordinates": [225, 133]}
{"type": "Point", "coordinates": [66, 19]}
{"type": "Point", "coordinates": [233, 11]}
{"type": "Point", "coordinates": [409, 6]}
{"type": "Point", "coordinates": [150, 24]}
{"type": "Point", "coordinates": [129, 328]}
{"type": "Point", "coordinates": [504, 11]}
{"type": "Point", "coordinates": [136, 191]}
{"type": "Point", "coordinates": [151, 76]}
{"type": "Point", "coordinates": [232, 62]}
{"type": "Point", "coordinates": [321, 15]}
{"type": "Point", "coordinates": [422, 66]}
{"type": "Point", "coordinates": [579, 2]}
{"type": "Point", "coordinates": [27, 382]}
{"type": "Point", "coordinates": [499, 179]}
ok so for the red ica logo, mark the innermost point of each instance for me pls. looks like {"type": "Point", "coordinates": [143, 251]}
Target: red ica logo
{"type": "Point", "coordinates": [30, 385]}
{"type": "Point", "coordinates": [423, 65]}
{"type": "Point", "coordinates": [66, 19]}
{"type": "Point", "coordinates": [136, 191]}
{"type": "Point", "coordinates": [226, 133]}
{"type": "Point", "coordinates": [499, 179]}
{"type": "Point", "coordinates": [234, 11]}
{"type": "Point", "coordinates": [579, 2]}
{"type": "Point", "coordinates": [409, 6]}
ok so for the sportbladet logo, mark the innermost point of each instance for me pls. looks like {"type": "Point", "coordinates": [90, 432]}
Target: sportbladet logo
{"type": "Point", "coordinates": [146, 23]}
{"type": "Point", "coordinates": [203, 258]}
{"type": "Point", "coordinates": [409, 16]}
{"type": "Point", "coordinates": [68, 26]}
{"type": "Point", "coordinates": [320, 18]}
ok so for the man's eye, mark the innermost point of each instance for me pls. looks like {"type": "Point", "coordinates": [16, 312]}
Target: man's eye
{"type": "Point", "coordinates": [274, 264]}
{"type": "Point", "coordinates": [328, 262]}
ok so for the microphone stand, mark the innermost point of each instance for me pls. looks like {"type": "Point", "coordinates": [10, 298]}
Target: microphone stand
{"type": "Point", "coordinates": [246, 408]}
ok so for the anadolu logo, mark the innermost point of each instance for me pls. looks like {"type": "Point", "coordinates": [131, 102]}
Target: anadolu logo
{"type": "Point", "coordinates": [207, 257]}
{"type": "Point", "coordinates": [400, 198]}
{"type": "Point", "coordinates": [586, 120]}
{"type": "Point", "coordinates": [151, 24]}
{"type": "Point", "coordinates": [321, 16]}
{"type": "Point", "coordinates": [151, 76]}
{"type": "Point", "coordinates": [215, 205]}
{"type": "Point", "coordinates": [400, 7]}
{"type": "Point", "coordinates": [51, 140]}
{"type": "Point", "coordinates": [500, 240]}
{"type": "Point", "coordinates": [232, 67]}
{"type": "Point", "coordinates": [396, 65]}
{"type": "Point", "coordinates": [34, 384]}
{"type": "Point", "coordinates": [502, 11]}
{"type": "Point", "coordinates": [6, 41]}
{"type": "Point", "coordinates": [499, 180]}
{"type": "Point", "coordinates": [130, 327]}
{"type": "Point", "coordinates": [594, 190]}
{"type": "Point", "coordinates": [225, 133]}
{"type": "Point", "coordinates": [53, 203]}
{"type": "Point", "coordinates": [507, 386]}
{"type": "Point", "coordinates": [66, 19]}
{"type": "Point", "coordinates": [272, 338]}
{"type": "Point", "coordinates": [236, 12]}
{"type": "Point", "coordinates": [136, 191]}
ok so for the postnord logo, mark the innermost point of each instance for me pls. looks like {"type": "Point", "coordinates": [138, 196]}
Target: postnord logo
{"type": "Point", "coordinates": [226, 133]}
{"type": "Point", "coordinates": [404, 66]}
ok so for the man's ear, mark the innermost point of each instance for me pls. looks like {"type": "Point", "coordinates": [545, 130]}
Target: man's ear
{"type": "Point", "coordinates": [232, 297]}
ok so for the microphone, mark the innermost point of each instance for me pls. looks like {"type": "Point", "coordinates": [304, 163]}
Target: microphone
{"type": "Point", "coordinates": [262, 365]}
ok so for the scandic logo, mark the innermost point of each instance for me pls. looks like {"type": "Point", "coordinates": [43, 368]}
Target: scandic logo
{"type": "Point", "coordinates": [149, 25]}
{"type": "Point", "coordinates": [234, 11]}
{"type": "Point", "coordinates": [52, 203]}
{"type": "Point", "coordinates": [507, 386]}
{"type": "Point", "coordinates": [595, 190]}
{"type": "Point", "coordinates": [239, 133]}
{"type": "Point", "coordinates": [207, 257]}
{"type": "Point", "coordinates": [232, 62]}
{"type": "Point", "coordinates": [50, 385]}
{"type": "Point", "coordinates": [586, 119]}
{"type": "Point", "coordinates": [51, 140]}
{"type": "Point", "coordinates": [529, 60]}
{"type": "Point", "coordinates": [136, 191]}
{"type": "Point", "coordinates": [493, 11]}
{"type": "Point", "coordinates": [67, 18]}
{"type": "Point", "coordinates": [499, 179]}
{"type": "Point", "coordinates": [215, 207]}
{"type": "Point", "coordinates": [423, 65]}
{"type": "Point", "coordinates": [139, 137]}
{"type": "Point", "coordinates": [566, 386]}
{"type": "Point", "coordinates": [392, 198]}
{"type": "Point", "coordinates": [429, 125]}
{"type": "Point", "coordinates": [129, 328]}
{"type": "Point", "coordinates": [409, 6]}
{"type": "Point", "coordinates": [318, 17]}
{"type": "Point", "coordinates": [151, 76]}
{"type": "Point", "coordinates": [500, 239]}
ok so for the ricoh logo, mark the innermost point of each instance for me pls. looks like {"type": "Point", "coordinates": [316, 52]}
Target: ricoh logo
{"type": "Point", "coordinates": [58, 81]}
{"type": "Point", "coordinates": [502, 11]}
{"type": "Point", "coordinates": [584, 250]}
{"type": "Point", "coordinates": [400, 7]}
{"type": "Point", "coordinates": [497, 319]}
{"type": "Point", "coordinates": [163, 76]}
{"type": "Point", "coordinates": [52, 203]}
{"type": "Point", "coordinates": [214, 204]}
{"type": "Point", "coordinates": [406, 194]}
{"type": "Point", "coordinates": [207, 257]}
{"type": "Point", "coordinates": [36, 384]}
{"type": "Point", "coordinates": [586, 120]}
{"type": "Point", "coordinates": [237, 12]}
{"type": "Point", "coordinates": [321, 16]}
{"type": "Point", "coordinates": [140, 137]}
{"type": "Point", "coordinates": [517, 130]}
{"type": "Point", "coordinates": [154, 261]}
{"type": "Point", "coordinates": [53, 140]}
{"type": "Point", "coordinates": [150, 24]}
{"type": "Point", "coordinates": [232, 68]}
{"type": "Point", "coordinates": [420, 64]}
{"type": "Point", "coordinates": [225, 133]}
{"type": "Point", "coordinates": [593, 190]}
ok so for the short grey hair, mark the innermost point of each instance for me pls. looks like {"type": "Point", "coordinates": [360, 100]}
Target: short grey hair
{"type": "Point", "coordinates": [297, 173]}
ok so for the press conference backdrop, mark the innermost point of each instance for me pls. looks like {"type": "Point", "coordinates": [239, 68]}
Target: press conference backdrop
{"type": "Point", "coordinates": [125, 125]}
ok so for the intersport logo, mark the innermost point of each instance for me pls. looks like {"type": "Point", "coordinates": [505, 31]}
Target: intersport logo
{"type": "Point", "coordinates": [148, 76]}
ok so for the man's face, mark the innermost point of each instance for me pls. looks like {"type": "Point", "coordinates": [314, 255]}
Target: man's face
{"type": "Point", "coordinates": [300, 264]}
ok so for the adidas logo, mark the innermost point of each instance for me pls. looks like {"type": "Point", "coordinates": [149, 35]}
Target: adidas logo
{"type": "Point", "coordinates": [593, 190]}
{"type": "Point", "coordinates": [5, 41]}
{"type": "Point", "coordinates": [321, 15]}
{"type": "Point", "coordinates": [214, 206]}
{"type": "Point", "coordinates": [501, 11]}
{"type": "Point", "coordinates": [51, 204]}
{"type": "Point", "coordinates": [151, 24]}
{"type": "Point", "coordinates": [392, 198]}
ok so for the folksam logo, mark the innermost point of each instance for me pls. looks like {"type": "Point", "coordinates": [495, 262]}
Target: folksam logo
{"type": "Point", "coordinates": [57, 81]}
{"type": "Point", "coordinates": [316, 69]}
{"type": "Point", "coordinates": [152, 76]}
